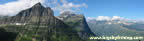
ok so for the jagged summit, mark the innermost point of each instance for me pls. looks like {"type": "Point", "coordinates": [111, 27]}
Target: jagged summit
{"type": "Point", "coordinates": [67, 12]}
{"type": "Point", "coordinates": [38, 4]}
{"type": "Point", "coordinates": [32, 14]}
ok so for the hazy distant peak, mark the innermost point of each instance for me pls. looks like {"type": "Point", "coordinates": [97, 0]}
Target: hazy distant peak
{"type": "Point", "coordinates": [67, 12]}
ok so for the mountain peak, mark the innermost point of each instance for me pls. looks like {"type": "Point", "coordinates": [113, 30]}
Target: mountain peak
{"type": "Point", "coordinates": [33, 13]}
{"type": "Point", "coordinates": [67, 12]}
{"type": "Point", "coordinates": [38, 5]}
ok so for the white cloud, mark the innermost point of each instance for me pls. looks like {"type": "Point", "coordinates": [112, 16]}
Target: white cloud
{"type": "Point", "coordinates": [103, 18]}
{"type": "Point", "coordinates": [64, 5]}
{"type": "Point", "coordinates": [12, 8]}
{"type": "Point", "coordinates": [100, 18]}
{"type": "Point", "coordinates": [116, 18]}
{"type": "Point", "coordinates": [90, 18]}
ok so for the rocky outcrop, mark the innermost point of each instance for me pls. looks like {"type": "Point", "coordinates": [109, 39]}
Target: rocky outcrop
{"type": "Point", "coordinates": [77, 22]}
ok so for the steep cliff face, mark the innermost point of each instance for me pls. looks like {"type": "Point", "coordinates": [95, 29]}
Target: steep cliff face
{"type": "Point", "coordinates": [34, 14]}
{"type": "Point", "coordinates": [77, 22]}
{"type": "Point", "coordinates": [39, 24]}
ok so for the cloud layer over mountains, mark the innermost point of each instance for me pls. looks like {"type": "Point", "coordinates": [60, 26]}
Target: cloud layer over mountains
{"type": "Point", "coordinates": [65, 5]}
{"type": "Point", "coordinates": [114, 18]}
{"type": "Point", "coordinates": [105, 18]}
{"type": "Point", "coordinates": [12, 8]}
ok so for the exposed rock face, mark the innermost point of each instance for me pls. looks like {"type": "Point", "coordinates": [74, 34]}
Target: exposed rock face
{"type": "Point", "coordinates": [34, 14]}
{"type": "Point", "coordinates": [78, 22]}
{"type": "Point", "coordinates": [41, 25]}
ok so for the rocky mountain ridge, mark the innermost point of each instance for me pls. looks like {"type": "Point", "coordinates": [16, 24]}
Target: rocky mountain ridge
{"type": "Point", "coordinates": [39, 24]}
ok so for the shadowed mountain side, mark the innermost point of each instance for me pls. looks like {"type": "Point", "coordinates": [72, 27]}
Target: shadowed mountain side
{"type": "Point", "coordinates": [7, 36]}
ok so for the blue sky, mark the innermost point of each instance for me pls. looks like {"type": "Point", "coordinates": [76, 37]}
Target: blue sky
{"type": "Point", "coordinates": [133, 9]}
{"type": "Point", "coordinates": [5, 1]}
{"type": "Point", "coordinates": [125, 8]}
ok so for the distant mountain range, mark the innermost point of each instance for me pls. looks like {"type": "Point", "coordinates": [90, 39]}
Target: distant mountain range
{"type": "Point", "coordinates": [116, 27]}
